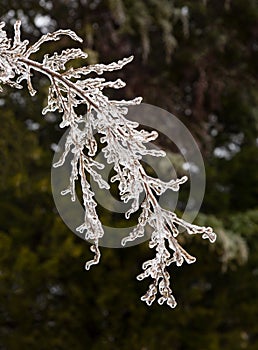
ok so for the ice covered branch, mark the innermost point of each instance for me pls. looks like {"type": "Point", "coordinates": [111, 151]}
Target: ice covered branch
{"type": "Point", "coordinates": [124, 148]}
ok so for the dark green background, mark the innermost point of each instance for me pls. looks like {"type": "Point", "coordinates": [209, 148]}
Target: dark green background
{"type": "Point", "coordinates": [207, 76]}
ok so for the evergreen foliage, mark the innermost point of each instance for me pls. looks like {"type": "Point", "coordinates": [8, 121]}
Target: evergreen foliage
{"type": "Point", "coordinates": [46, 298]}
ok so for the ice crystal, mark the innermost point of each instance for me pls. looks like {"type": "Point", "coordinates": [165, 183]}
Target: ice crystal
{"type": "Point", "coordinates": [124, 148]}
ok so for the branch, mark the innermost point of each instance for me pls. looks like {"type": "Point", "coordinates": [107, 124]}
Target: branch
{"type": "Point", "coordinates": [124, 149]}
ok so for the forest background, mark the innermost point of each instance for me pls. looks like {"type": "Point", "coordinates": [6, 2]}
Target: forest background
{"type": "Point", "coordinates": [198, 60]}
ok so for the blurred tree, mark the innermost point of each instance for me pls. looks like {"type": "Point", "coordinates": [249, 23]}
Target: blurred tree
{"type": "Point", "coordinates": [197, 60]}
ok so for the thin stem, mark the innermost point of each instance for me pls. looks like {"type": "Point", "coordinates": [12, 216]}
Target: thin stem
{"type": "Point", "coordinates": [50, 73]}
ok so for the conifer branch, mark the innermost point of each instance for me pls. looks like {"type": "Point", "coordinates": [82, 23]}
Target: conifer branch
{"type": "Point", "coordinates": [124, 149]}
